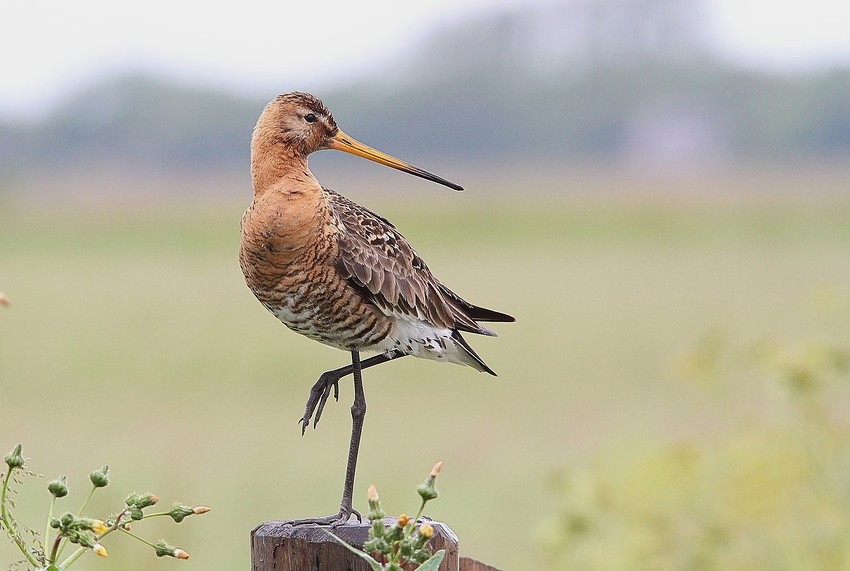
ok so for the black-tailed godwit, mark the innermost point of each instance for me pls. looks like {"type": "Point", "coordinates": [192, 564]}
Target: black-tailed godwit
{"type": "Point", "coordinates": [338, 273]}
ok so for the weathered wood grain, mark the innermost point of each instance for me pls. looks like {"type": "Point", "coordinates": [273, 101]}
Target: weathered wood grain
{"type": "Point", "coordinates": [279, 546]}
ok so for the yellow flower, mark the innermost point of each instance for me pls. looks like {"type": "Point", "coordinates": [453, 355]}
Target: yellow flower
{"type": "Point", "coordinates": [99, 550]}
{"type": "Point", "coordinates": [425, 530]}
{"type": "Point", "coordinates": [98, 527]}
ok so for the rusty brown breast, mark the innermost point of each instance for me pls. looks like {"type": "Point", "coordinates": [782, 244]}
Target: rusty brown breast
{"type": "Point", "coordinates": [331, 269]}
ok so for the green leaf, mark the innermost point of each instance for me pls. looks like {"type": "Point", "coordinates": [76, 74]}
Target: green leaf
{"type": "Point", "coordinates": [433, 562]}
{"type": "Point", "coordinates": [365, 556]}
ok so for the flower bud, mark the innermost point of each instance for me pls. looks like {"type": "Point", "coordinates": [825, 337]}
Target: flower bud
{"type": "Point", "coordinates": [4, 300]}
{"type": "Point", "coordinates": [98, 527]}
{"type": "Point", "coordinates": [85, 523]}
{"type": "Point", "coordinates": [141, 501]}
{"type": "Point", "coordinates": [377, 545]}
{"type": "Point", "coordinates": [99, 550]}
{"type": "Point", "coordinates": [405, 547]}
{"type": "Point", "coordinates": [375, 511]}
{"type": "Point", "coordinates": [394, 533]}
{"type": "Point", "coordinates": [180, 511]}
{"type": "Point", "coordinates": [162, 549]}
{"type": "Point", "coordinates": [66, 521]}
{"type": "Point", "coordinates": [421, 556]}
{"type": "Point", "coordinates": [14, 458]}
{"type": "Point", "coordinates": [147, 500]}
{"type": "Point", "coordinates": [402, 520]}
{"type": "Point", "coordinates": [100, 478]}
{"type": "Point", "coordinates": [427, 490]}
{"type": "Point", "coordinates": [58, 488]}
{"type": "Point", "coordinates": [426, 532]}
{"type": "Point", "coordinates": [372, 493]}
{"type": "Point", "coordinates": [198, 510]}
{"type": "Point", "coordinates": [377, 529]}
{"type": "Point", "coordinates": [85, 538]}
{"type": "Point", "coordinates": [371, 545]}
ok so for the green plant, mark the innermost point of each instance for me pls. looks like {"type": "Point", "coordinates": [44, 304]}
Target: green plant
{"type": "Point", "coordinates": [400, 545]}
{"type": "Point", "coordinates": [85, 533]}
{"type": "Point", "coordinates": [771, 493]}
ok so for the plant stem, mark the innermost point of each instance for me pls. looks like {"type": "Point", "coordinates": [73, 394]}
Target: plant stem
{"type": "Point", "coordinates": [53, 552]}
{"type": "Point", "coordinates": [47, 528]}
{"type": "Point", "coordinates": [134, 536]}
{"type": "Point", "coordinates": [73, 557]}
{"type": "Point", "coordinates": [85, 503]}
{"type": "Point", "coordinates": [4, 516]}
{"type": "Point", "coordinates": [61, 547]}
{"type": "Point", "coordinates": [421, 509]}
{"type": "Point", "coordinates": [79, 551]}
{"type": "Point", "coordinates": [79, 514]}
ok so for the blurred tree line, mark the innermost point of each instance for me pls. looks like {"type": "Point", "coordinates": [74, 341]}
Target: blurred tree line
{"type": "Point", "coordinates": [620, 81]}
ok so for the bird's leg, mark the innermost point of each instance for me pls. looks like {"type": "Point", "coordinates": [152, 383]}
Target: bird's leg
{"type": "Point", "coordinates": [321, 390]}
{"type": "Point", "coordinates": [358, 413]}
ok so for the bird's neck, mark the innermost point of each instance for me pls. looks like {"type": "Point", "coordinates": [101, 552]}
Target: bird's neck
{"type": "Point", "coordinates": [282, 173]}
{"type": "Point", "coordinates": [289, 214]}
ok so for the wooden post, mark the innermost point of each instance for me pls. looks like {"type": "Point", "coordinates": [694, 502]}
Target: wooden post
{"type": "Point", "coordinates": [278, 546]}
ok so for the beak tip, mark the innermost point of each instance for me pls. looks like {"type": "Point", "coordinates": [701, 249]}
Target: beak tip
{"type": "Point", "coordinates": [342, 142]}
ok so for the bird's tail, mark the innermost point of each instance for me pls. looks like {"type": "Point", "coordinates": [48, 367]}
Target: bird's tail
{"type": "Point", "coordinates": [483, 314]}
{"type": "Point", "coordinates": [468, 315]}
{"type": "Point", "coordinates": [468, 356]}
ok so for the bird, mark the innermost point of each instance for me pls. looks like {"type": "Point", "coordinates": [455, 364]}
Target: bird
{"type": "Point", "coordinates": [337, 273]}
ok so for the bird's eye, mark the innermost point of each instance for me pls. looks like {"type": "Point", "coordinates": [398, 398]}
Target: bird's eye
{"type": "Point", "coordinates": [309, 117]}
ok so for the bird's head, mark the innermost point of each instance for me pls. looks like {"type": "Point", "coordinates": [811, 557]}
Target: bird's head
{"type": "Point", "coordinates": [299, 124]}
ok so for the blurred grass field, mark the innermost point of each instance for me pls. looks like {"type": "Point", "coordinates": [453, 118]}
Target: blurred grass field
{"type": "Point", "coordinates": [133, 341]}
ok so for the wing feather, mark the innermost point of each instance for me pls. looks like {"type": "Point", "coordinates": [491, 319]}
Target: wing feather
{"type": "Point", "coordinates": [380, 262]}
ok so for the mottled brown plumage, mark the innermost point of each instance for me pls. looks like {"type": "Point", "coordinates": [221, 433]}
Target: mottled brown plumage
{"type": "Point", "coordinates": [336, 272]}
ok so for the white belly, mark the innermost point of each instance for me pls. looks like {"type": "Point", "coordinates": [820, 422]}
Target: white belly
{"type": "Point", "coordinates": [423, 340]}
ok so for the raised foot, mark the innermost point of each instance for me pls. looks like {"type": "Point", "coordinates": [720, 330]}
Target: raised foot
{"type": "Point", "coordinates": [340, 518]}
{"type": "Point", "coordinates": [319, 394]}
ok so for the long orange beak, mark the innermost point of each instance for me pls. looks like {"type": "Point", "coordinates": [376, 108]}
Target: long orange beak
{"type": "Point", "coordinates": [342, 142]}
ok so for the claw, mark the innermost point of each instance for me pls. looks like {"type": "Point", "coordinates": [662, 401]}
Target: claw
{"type": "Point", "coordinates": [340, 518]}
{"type": "Point", "coordinates": [321, 389]}
{"type": "Point", "coordinates": [319, 394]}
{"type": "Point", "coordinates": [323, 399]}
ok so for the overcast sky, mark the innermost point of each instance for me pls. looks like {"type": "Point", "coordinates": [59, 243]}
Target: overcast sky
{"type": "Point", "coordinates": [51, 47]}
